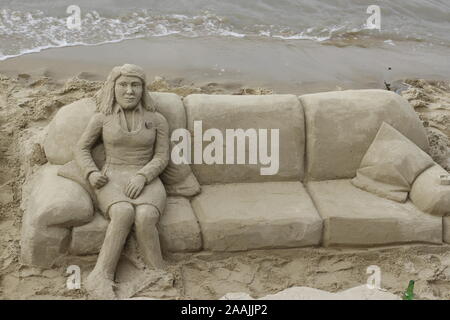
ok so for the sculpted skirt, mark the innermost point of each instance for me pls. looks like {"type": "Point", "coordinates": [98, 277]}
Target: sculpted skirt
{"type": "Point", "coordinates": [114, 191]}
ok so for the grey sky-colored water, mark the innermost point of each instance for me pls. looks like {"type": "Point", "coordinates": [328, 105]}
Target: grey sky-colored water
{"type": "Point", "coordinates": [32, 25]}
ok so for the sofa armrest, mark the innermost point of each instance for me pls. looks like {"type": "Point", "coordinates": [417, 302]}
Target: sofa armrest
{"type": "Point", "coordinates": [428, 194]}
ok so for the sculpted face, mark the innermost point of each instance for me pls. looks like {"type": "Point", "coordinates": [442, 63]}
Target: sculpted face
{"type": "Point", "coordinates": [128, 91]}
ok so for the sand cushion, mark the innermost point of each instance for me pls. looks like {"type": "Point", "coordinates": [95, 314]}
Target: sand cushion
{"type": "Point", "coordinates": [428, 194]}
{"type": "Point", "coordinates": [390, 165]}
{"type": "Point", "coordinates": [341, 125]}
{"type": "Point", "coordinates": [353, 217]}
{"type": "Point", "coordinates": [258, 117]}
{"type": "Point", "coordinates": [178, 177]}
{"type": "Point", "coordinates": [178, 229]}
{"type": "Point", "coordinates": [66, 128]}
{"type": "Point", "coordinates": [88, 238]}
{"type": "Point", "coordinates": [188, 187]}
{"type": "Point", "coordinates": [246, 216]}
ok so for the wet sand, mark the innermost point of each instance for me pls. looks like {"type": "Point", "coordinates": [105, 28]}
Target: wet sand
{"type": "Point", "coordinates": [284, 66]}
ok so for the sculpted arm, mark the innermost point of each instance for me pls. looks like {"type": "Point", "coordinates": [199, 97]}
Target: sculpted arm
{"type": "Point", "coordinates": [82, 151]}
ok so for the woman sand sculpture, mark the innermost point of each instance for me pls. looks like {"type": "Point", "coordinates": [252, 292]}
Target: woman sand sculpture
{"type": "Point", "coordinates": [127, 188]}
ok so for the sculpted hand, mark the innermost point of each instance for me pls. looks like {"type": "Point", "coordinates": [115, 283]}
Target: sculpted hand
{"type": "Point", "coordinates": [97, 180]}
{"type": "Point", "coordinates": [134, 187]}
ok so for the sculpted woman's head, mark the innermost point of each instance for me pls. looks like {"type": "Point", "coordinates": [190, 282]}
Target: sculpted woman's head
{"type": "Point", "coordinates": [125, 85]}
{"type": "Point", "coordinates": [128, 91]}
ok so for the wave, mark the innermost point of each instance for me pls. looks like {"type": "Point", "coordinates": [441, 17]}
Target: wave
{"type": "Point", "coordinates": [27, 31]}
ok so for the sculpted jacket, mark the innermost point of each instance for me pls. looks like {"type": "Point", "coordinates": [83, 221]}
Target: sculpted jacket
{"type": "Point", "coordinates": [145, 145]}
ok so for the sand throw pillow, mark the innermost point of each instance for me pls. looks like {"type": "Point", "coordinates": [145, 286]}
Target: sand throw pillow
{"type": "Point", "coordinates": [391, 164]}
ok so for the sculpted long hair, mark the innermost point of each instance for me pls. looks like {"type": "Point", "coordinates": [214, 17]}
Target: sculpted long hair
{"type": "Point", "coordinates": [105, 97]}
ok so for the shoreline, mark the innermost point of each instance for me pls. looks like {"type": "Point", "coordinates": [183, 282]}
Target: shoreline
{"type": "Point", "coordinates": [297, 67]}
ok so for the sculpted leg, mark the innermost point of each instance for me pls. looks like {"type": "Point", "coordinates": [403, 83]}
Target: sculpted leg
{"type": "Point", "coordinates": [122, 217]}
{"type": "Point", "coordinates": [101, 279]}
{"type": "Point", "coordinates": [147, 235]}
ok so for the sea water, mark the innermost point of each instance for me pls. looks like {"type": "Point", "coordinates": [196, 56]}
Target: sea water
{"type": "Point", "coordinates": [31, 26]}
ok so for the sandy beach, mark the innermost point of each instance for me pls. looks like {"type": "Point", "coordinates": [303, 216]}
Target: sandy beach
{"type": "Point", "coordinates": [206, 53]}
{"type": "Point", "coordinates": [28, 101]}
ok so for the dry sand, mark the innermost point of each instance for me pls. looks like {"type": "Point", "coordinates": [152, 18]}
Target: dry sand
{"type": "Point", "coordinates": [28, 102]}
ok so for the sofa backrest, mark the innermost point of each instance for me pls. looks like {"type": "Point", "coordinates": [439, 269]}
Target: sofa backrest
{"type": "Point", "coordinates": [322, 136]}
{"type": "Point", "coordinates": [282, 112]}
{"type": "Point", "coordinates": [341, 125]}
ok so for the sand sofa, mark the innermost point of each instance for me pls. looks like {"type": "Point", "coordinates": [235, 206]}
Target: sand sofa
{"type": "Point", "coordinates": [310, 201]}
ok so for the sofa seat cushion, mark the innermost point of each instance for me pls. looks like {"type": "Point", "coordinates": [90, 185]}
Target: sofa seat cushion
{"type": "Point", "coordinates": [178, 227]}
{"type": "Point", "coordinates": [246, 216]}
{"type": "Point", "coordinates": [88, 239]}
{"type": "Point", "coordinates": [353, 217]}
{"type": "Point", "coordinates": [178, 230]}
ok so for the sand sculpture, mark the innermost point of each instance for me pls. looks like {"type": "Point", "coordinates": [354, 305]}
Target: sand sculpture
{"type": "Point", "coordinates": [353, 171]}
{"type": "Point", "coordinates": [127, 188]}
